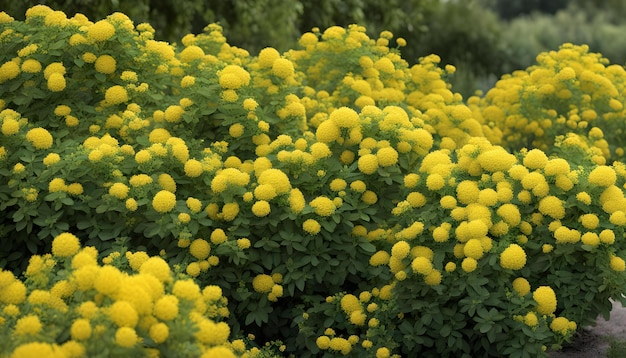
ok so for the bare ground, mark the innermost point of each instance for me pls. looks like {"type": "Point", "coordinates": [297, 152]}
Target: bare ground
{"type": "Point", "coordinates": [594, 341]}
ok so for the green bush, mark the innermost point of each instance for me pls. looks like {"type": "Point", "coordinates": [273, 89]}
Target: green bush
{"type": "Point", "coordinates": [343, 201]}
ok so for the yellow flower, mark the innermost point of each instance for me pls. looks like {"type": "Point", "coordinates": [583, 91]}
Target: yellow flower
{"type": "Point", "coordinates": [422, 265]}
{"type": "Point", "coordinates": [358, 186]}
{"type": "Point", "coordinates": [10, 126]}
{"type": "Point", "coordinates": [186, 289]}
{"type": "Point", "coordinates": [191, 53]}
{"type": "Point", "coordinates": [282, 68]}
{"type": "Point", "coordinates": [368, 164]}
{"type": "Point", "coordinates": [323, 342]}
{"type": "Point", "coordinates": [8, 71]}
{"type": "Point", "coordinates": [187, 81]}
{"type": "Point", "coordinates": [200, 249]}
{"type": "Point", "coordinates": [531, 319]}
{"type": "Point", "coordinates": [115, 95]}
{"type": "Point", "coordinates": [261, 208]}
{"type": "Point", "coordinates": [65, 245]}
{"type": "Point", "coordinates": [552, 206]}
{"type": "Point", "coordinates": [105, 64]}
{"type": "Point", "coordinates": [583, 197]}
{"type": "Point", "coordinates": [510, 214]}
{"type": "Point", "coordinates": [560, 325]}
{"type": "Point", "coordinates": [27, 325]}
{"type": "Point", "coordinates": [496, 159]}
{"type": "Point", "coordinates": [51, 159]}
{"type": "Point", "coordinates": [337, 184]}
{"type": "Point", "coordinates": [345, 117]}
{"type": "Point", "coordinates": [521, 286]}
{"type": "Point", "coordinates": [233, 77]}
{"type": "Point", "coordinates": [263, 283]}
{"type": "Point", "coordinates": [311, 226]}
{"type": "Point", "coordinates": [193, 168]}
{"type": "Point", "coordinates": [174, 113]}
{"type": "Point", "coordinates": [164, 201]}
{"type": "Point", "coordinates": [40, 138]}
{"type": "Point", "coordinates": [131, 204]}
{"type": "Point", "coordinates": [369, 197]}
{"type": "Point", "coordinates": [166, 308]}
{"type": "Point", "coordinates": [535, 159]}
{"type": "Point", "coordinates": [56, 82]}
{"type": "Point", "coordinates": [243, 243]}
{"type": "Point", "coordinates": [194, 204]}
{"type": "Point", "coordinates": [557, 166]}
{"type": "Point", "coordinates": [119, 190]}
{"type": "Point", "coordinates": [80, 329]}
{"type": "Point", "coordinates": [379, 258]}
{"type": "Point", "coordinates": [218, 236]}
{"type": "Point", "coordinates": [590, 238]}
{"type": "Point", "coordinates": [400, 249]}
{"type": "Point", "coordinates": [123, 314]}
{"type": "Point", "coordinates": [327, 132]}
{"type": "Point", "coordinates": [473, 248]}
{"type": "Point", "coordinates": [546, 300]}
{"type": "Point", "coordinates": [236, 130]}
{"type": "Point", "coordinates": [387, 156]}
{"type": "Point", "coordinates": [469, 264]}
{"type": "Point", "coordinates": [276, 178]}
{"type": "Point", "coordinates": [31, 66]}
{"type": "Point", "coordinates": [126, 337]}
{"type": "Point", "coordinates": [513, 257]}
{"type": "Point", "coordinates": [159, 332]}
{"type": "Point", "coordinates": [589, 221]}
{"type": "Point", "coordinates": [323, 206]}
{"type": "Point", "coordinates": [602, 176]}
{"type": "Point", "coordinates": [100, 31]}
{"type": "Point", "coordinates": [617, 263]}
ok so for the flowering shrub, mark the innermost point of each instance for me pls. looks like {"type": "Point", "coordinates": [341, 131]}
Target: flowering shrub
{"type": "Point", "coordinates": [132, 304]}
{"type": "Point", "coordinates": [340, 201]}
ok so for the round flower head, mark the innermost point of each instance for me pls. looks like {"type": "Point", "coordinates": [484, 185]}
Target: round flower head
{"type": "Point", "coordinates": [276, 178]}
{"type": "Point", "coordinates": [56, 82]}
{"type": "Point", "coordinates": [521, 286]}
{"type": "Point", "coordinates": [535, 159]}
{"type": "Point", "coordinates": [323, 206]}
{"type": "Point", "coordinates": [65, 245]}
{"type": "Point", "coordinates": [513, 257]}
{"type": "Point", "coordinates": [263, 283]}
{"type": "Point", "coordinates": [193, 168]}
{"type": "Point", "coordinates": [27, 325]}
{"type": "Point", "coordinates": [166, 308]}
{"type": "Point", "coordinates": [311, 226]}
{"type": "Point", "coordinates": [546, 300]}
{"type": "Point", "coordinates": [602, 176]}
{"type": "Point", "coordinates": [368, 164]}
{"type": "Point", "coordinates": [119, 190]}
{"type": "Point", "coordinates": [100, 31]}
{"type": "Point", "coordinates": [156, 267]}
{"type": "Point", "coordinates": [115, 95]}
{"type": "Point", "coordinates": [282, 68]}
{"type": "Point", "coordinates": [40, 138]}
{"type": "Point", "coordinates": [126, 337]}
{"type": "Point", "coordinates": [617, 263]}
{"type": "Point", "coordinates": [164, 201]}
{"type": "Point", "coordinates": [345, 117]}
{"type": "Point", "coordinates": [105, 64]}
{"type": "Point", "coordinates": [387, 156]}
{"type": "Point", "coordinates": [261, 208]}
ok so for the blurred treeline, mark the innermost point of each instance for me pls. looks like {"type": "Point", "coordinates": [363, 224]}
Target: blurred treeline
{"type": "Point", "coordinates": [482, 38]}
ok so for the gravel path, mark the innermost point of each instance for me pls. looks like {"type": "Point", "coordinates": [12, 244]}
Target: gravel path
{"type": "Point", "coordinates": [593, 342]}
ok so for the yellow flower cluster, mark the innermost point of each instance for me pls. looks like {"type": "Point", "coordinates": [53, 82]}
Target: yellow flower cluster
{"type": "Point", "coordinates": [148, 303]}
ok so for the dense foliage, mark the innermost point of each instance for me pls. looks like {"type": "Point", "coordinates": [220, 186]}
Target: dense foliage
{"type": "Point", "coordinates": [328, 200]}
